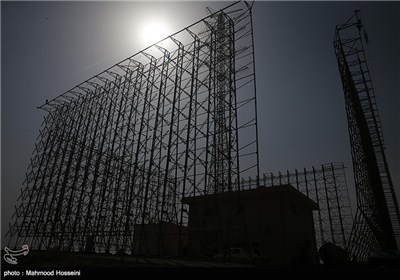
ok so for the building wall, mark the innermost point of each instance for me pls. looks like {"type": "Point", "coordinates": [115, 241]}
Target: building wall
{"type": "Point", "coordinates": [154, 242]}
{"type": "Point", "coordinates": [279, 229]}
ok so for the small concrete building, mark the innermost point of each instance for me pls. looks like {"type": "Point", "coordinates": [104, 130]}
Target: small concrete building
{"type": "Point", "coordinates": [160, 240]}
{"type": "Point", "coordinates": [270, 223]}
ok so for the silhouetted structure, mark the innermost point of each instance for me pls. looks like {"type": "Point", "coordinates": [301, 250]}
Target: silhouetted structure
{"type": "Point", "coordinates": [120, 154]}
{"type": "Point", "coordinates": [271, 223]}
{"type": "Point", "coordinates": [164, 239]}
{"type": "Point", "coordinates": [327, 187]}
{"type": "Point", "coordinates": [122, 149]}
{"type": "Point", "coordinates": [377, 220]}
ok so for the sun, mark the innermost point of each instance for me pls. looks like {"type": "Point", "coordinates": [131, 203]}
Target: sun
{"type": "Point", "coordinates": [154, 31]}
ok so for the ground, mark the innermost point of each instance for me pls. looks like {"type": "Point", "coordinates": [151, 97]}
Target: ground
{"type": "Point", "coordinates": [122, 267]}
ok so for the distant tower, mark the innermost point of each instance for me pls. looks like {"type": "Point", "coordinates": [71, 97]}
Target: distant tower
{"type": "Point", "coordinates": [376, 224]}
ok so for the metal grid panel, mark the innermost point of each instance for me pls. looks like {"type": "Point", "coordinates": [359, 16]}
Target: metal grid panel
{"type": "Point", "coordinates": [378, 216]}
{"type": "Point", "coordinates": [122, 149]}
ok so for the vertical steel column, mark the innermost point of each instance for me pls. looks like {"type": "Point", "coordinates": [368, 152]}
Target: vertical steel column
{"type": "Point", "coordinates": [328, 205]}
{"type": "Point", "coordinates": [321, 228]}
{"type": "Point", "coordinates": [338, 205]}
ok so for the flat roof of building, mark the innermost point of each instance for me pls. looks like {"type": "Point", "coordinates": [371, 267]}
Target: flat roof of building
{"type": "Point", "coordinates": [251, 194]}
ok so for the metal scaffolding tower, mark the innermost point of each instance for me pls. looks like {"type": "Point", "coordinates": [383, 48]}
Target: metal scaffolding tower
{"type": "Point", "coordinates": [377, 221]}
{"type": "Point", "coordinates": [121, 150]}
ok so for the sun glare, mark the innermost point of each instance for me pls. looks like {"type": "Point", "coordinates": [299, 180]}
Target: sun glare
{"type": "Point", "coordinates": [154, 31]}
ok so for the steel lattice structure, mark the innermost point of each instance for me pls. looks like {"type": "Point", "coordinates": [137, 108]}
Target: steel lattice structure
{"type": "Point", "coordinates": [123, 148]}
{"type": "Point", "coordinates": [377, 219]}
{"type": "Point", "coordinates": [326, 186]}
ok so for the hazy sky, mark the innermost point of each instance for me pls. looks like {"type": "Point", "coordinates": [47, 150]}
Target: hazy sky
{"type": "Point", "coordinates": [47, 48]}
